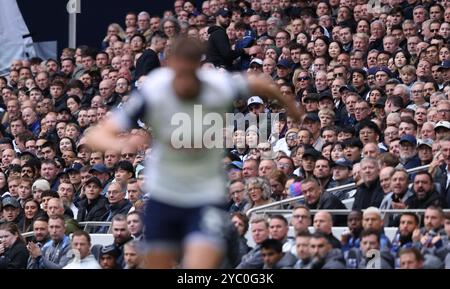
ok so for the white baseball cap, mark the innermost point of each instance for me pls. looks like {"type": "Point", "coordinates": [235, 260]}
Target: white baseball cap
{"type": "Point", "coordinates": [442, 123]}
{"type": "Point", "coordinates": [254, 99]}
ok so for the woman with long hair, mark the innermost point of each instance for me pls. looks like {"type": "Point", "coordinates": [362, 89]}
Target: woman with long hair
{"type": "Point", "coordinates": [31, 212]}
{"type": "Point", "coordinates": [13, 252]}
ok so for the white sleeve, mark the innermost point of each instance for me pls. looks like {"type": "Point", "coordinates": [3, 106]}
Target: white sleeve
{"type": "Point", "coordinates": [134, 109]}
{"type": "Point", "coordinates": [240, 83]}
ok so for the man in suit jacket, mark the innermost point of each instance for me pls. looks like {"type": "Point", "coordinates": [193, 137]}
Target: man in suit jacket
{"type": "Point", "coordinates": [445, 170]}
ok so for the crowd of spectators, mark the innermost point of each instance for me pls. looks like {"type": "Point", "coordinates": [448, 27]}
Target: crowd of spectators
{"type": "Point", "coordinates": [372, 82]}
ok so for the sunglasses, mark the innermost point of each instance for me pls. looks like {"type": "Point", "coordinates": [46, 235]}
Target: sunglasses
{"type": "Point", "coordinates": [303, 78]}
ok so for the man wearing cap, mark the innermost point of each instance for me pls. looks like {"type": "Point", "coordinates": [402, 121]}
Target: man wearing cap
{"type": "Point", "coordinates": [442, 130]}
{"type": "Point", "coordinates": [311, 121]}
{"type": "Point", "coordinates": [255, 66]}
{"type": "Point", "coordinates": [101, 173]}
{"type": "Point", "coordinates": [408, 153]}
{"type": "Point", "coordinates": [219, 50]}
{"type": "Point", "coordinates": [234, 171]}
{"type": "Point", "coordinates": [284, 69]}
{"type": "Point", "coordinates": [444, 68]}
{"type": "Point", "coordinates": [93, 207]}
{"type": "Point", "coordinates": [342, 175]}
{"type": "Point", "coordinates": [256, 107]}
{"type": "Point", "coordinates": [11, 211]}
{"type": "Point", "coordinates": [424, 151]}
{"type": "Point", "coordinates": [38, 188]}
{"type": "Point", "coordinates": [287, 143]}
{"type": "Point", "coordinates": [75, 179]}
{"type": "Point", "coordinates": [108, 257]}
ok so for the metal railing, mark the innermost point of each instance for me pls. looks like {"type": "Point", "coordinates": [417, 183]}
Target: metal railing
{"type": "Point", "coordinates": [94, 224]}
{"type": "Point", "coordinates": [345, 212]}
{"type": "Point", "coordinates": [83, 225]}
{"type": "Point", "coordinates": [335, 189]}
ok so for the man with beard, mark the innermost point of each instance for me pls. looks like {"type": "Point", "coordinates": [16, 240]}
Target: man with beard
{"type": "Point", "coordinates": [322, 172]}
{"type": "Point", "coordinates": [359, 258]}
{"type": "Point", "coordinates": [408, 153]}
{"type": "Point", "coordinates": [424, 193]}
{"type": "Point", "coordinates": [409, 227]}
{"type": "Point", "coordinates": [322, 253]}
{"type": "Point", "coordinates": [219, 50]}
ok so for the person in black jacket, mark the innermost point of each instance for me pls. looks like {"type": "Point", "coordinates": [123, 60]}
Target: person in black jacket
{"type": "Point", "coordinates": [369, 193]}
{"type": "Point", "coordinates": [219, 50]}
{"type": "Point", "coordinates": [316, 199]}
{"type": "Point", "coordinates": [424, 193]}
{"type": "Point", "coordinates": [323, 256]}
{"type": "Point", "coordinates": [13, 252]}
{"type": "Point", "coordinates": [117, 202]}
{"type": "Point", "coordinates": [93, 207]}
{"type": "Point", "coordinates": [149, 59]}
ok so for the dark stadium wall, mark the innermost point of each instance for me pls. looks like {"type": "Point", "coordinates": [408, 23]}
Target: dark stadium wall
{"type": "Point", "coordinates": [47, 20]}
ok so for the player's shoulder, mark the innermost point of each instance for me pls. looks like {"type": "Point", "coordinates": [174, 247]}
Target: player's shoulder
{"type": "Point", "coordinates": [219, 78]}
{"type": "Point", "coordinates": [160, 74]}
{"type": "Point", "coordinates": [157, 79]}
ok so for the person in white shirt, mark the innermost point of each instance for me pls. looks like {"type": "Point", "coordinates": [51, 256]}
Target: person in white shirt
{"type": "Point", "coordinates": [83, 259]}
{"type": "Point", "coordinates": [185, 179]}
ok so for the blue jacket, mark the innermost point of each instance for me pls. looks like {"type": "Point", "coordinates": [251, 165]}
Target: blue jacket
{"type": "Point", "coordinates": [53, 256]}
